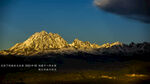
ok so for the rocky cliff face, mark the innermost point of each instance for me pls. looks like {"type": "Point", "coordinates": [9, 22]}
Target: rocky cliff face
{"type": "Point", "coordinates": [43, 43]}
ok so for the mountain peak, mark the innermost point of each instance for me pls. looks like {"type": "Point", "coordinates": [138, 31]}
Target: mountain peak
{"type": "Point", "coordinates": [80, 44]}
{"type": "Point", "coordinates": [108, 45]}
{"type": "Point", "coordinates": [117, 43]}
{"type": "Point", "coordinates": [43, 31]}
{"type": "Point", "coordinates": [43, 42]}
{"type": "Point", "coordinates": [76, 39]}
{"type": "Point", "coordinates": [40, 41]}
{"type": "Point", "coordinates": [39, 34]}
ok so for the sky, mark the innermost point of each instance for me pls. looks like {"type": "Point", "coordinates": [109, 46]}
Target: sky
{"type": "Point", "coordinates": [71, 19]}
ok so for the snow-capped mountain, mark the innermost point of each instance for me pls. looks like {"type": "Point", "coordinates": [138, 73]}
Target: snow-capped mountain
{"type": "Point", "coordinates": [42, 43]}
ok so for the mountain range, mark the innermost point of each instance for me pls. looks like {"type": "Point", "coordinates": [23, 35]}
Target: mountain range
{"type": "Point", "coordinates": [42, 43]}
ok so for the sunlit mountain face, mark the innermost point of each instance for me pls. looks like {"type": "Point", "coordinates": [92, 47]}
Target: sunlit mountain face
{"type": "Point", "coordinates": [46, 43]}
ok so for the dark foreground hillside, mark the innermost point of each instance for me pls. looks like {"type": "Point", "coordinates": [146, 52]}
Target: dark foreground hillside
{"type": "Point", "coordinates": [77, 68]}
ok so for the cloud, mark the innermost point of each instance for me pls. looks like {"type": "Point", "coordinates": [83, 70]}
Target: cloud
{"type": "Point", "coordinates": [134, 9]}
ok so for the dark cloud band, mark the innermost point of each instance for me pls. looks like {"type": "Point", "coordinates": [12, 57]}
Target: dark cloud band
{"type": "Point", "coordinates": [135, 9]}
